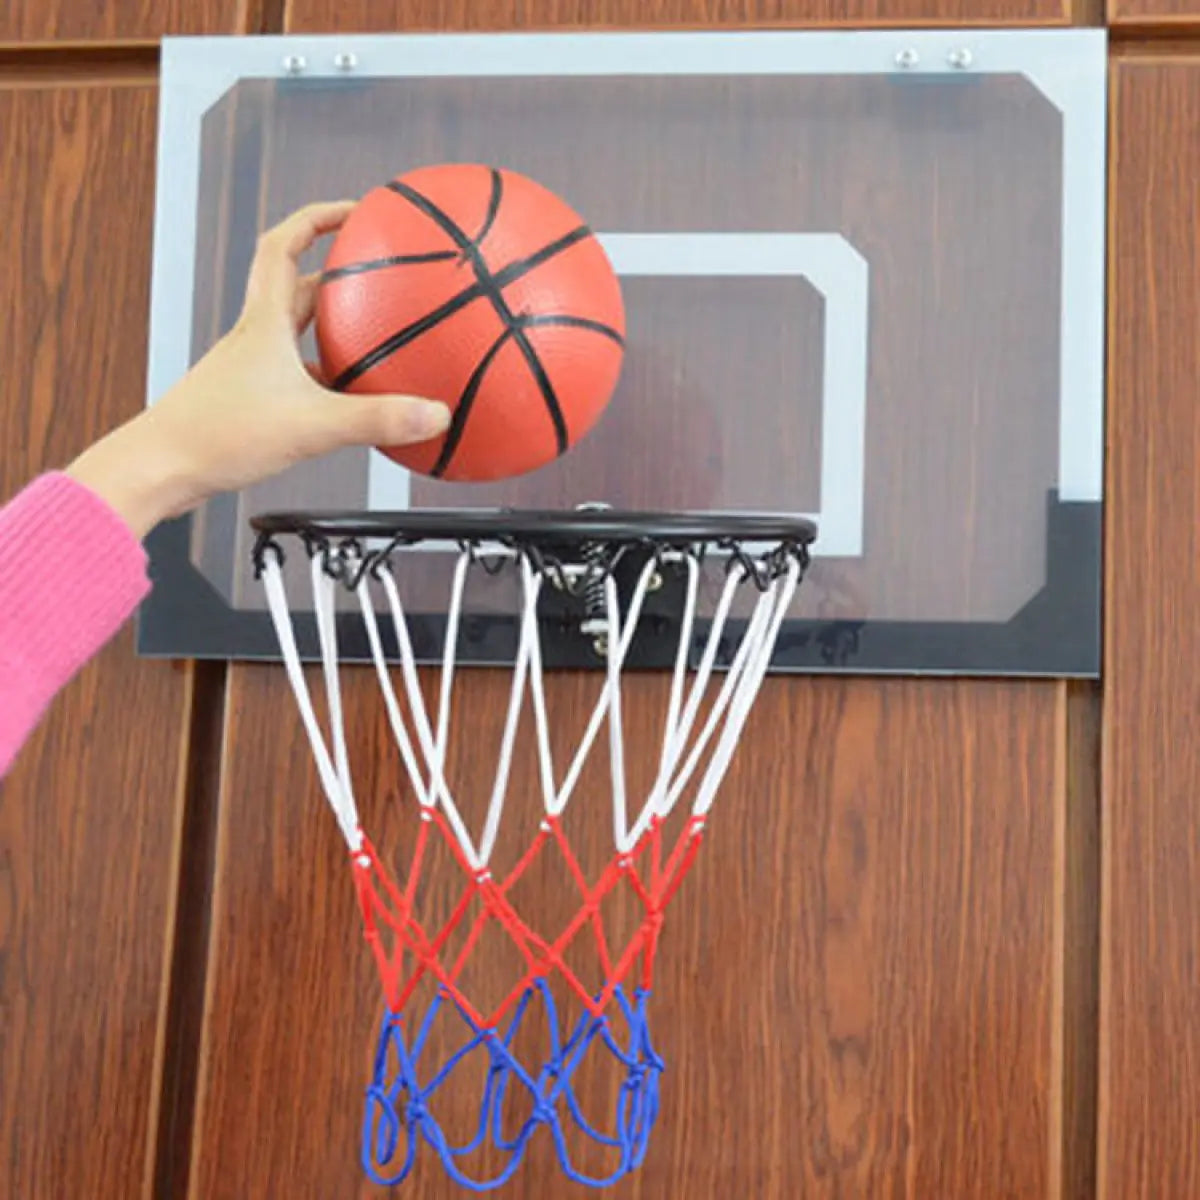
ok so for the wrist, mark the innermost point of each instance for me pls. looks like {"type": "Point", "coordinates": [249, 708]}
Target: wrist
{"type": "Point", "coordinates": [136, 474]}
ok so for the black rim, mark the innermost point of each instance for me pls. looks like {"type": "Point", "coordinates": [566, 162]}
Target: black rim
{"type": "Point", "coordinates": [533, 527]}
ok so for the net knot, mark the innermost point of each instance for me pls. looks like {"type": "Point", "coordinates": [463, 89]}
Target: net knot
{"type": "Point", "coordinates": [387, 1130]}
{"type": "Point", "coordinates": [637, 1075]}
{"type": "Point", "coordinates": [501, 1059]}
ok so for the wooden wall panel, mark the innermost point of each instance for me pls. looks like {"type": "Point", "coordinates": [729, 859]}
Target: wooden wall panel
{"type": "Point", "coordinates": [331, 16]}
{"type": "Point", "coordinates": [857, 994]}
{"type": "Point", "coordinates": [88, 815]}
{"type": "Point", "coordinates": [1150, 1087]}
{"type": "Point", "coordinates": [1170, 13]}
{"type": "Point", "coordinates": [1080, 955]}
{"type": "Point", "coordinates": [38, 21]}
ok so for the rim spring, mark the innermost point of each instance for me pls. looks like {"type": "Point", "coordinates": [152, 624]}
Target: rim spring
{"type": "Point", "coordinates": [595, 602]}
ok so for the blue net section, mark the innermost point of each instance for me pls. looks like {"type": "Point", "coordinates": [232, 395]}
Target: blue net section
{"type": "Point", "coordinates": [402, 1099]}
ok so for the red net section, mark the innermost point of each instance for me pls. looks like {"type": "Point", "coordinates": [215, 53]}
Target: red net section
{"type": "Point", "coordinates": [406, 953]}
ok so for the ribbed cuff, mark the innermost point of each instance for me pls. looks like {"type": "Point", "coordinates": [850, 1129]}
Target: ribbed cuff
{"type": "Point", "coordinates": [71, 574]}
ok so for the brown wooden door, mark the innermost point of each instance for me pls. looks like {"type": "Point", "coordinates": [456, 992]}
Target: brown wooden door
{"type": "Point", "coordinates": [90, 815]}
{"type": "Point", "coordinates": [339, 16]}
{"type": "Point", "coordinates": [34, 23]}
{"type": "Point", "coordinates": [1163, 15]}
{"type": "Point", "coordinates": [857, 995]}
{"type": "Point", "coordinates": [1150, 1028]}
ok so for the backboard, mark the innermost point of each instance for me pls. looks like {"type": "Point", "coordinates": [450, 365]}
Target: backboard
{"type": "Point", "coordinates": [864, 282]}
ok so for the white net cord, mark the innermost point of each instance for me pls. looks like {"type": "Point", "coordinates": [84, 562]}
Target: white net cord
{"type": "Point", "coordinates": [423, 742]}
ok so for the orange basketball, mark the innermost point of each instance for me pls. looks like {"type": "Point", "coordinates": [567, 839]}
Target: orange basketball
{"type": "Point", "coordinates": [480, 288]}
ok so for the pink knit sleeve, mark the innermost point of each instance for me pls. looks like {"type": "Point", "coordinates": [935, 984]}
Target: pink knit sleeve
{"type": "Point", "coordinates": [71, 574]}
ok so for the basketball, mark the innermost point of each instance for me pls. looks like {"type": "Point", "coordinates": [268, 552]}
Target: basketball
{"type": "Point", "coordinates": [480, 288]}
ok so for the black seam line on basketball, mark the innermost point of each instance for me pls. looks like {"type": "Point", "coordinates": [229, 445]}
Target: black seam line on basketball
{"type": "Point", "coordinates": [538, 371]}
{"type": "Point", "coordinates": [542, 320]}
{"type": "Point", "coordinates": [518, 267]}
{"type": "Point", "coordinates": [510, 274]}
{"type": "Point", "coordinates": [409, 333]}
{"type": "Point", "coordinates": [443, 219]}
{"type": "Point", "coordinates": [466, 401]}
{"type": "Point", "coordinates": [492, 290]}
{"type": "Point", "coordinates": [522, 266]}
{"type": "Point", "coordinates": [380, 264]}
{"type": "Point", "coordinates": [493, 206]}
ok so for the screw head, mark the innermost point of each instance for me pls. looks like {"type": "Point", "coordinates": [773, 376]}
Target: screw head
{"type": "Point", "coordinates": [960, 59]}
{"type": "Point", "coordinates": [345, 60]}
{"type": "Point", "coordinates": [907, 59]}
{"type": "Point", "coordinates": [294, 64]}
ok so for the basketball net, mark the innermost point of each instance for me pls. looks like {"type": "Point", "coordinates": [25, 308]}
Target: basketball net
{"type": "Point", "coordinates": [698, 742]}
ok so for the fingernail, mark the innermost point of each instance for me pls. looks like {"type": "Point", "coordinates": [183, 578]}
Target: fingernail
{"type": "Point", "coordinates": [429, 418]}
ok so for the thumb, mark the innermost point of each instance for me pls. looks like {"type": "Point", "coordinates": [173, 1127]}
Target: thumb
{"type": "Point", "coordinates": [389, 420]}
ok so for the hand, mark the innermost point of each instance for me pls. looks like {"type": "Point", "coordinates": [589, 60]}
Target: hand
{"type": "Point", "coordinates": [250, 407]}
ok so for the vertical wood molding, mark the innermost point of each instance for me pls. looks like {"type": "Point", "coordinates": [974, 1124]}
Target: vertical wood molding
{"type": "Point", "coordinates": [1150, 1022]}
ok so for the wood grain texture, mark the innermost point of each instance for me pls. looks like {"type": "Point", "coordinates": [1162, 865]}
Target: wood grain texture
{"type": "Point", "coordinates": [1171, 13]}
{"type": "Point", "coordinates": [183, 1012]}
{"type": "Point", "coordinates": [41, 21]}
{"type": "Point", "coordinates": [855, 994]}
{"type": "Point", "coordinates": [1150, 1089]}
{"type": "Point", "coordinates": [88, 816]}
{"type": "Point", "coordinates": [324, 16]}
{"type": "Point", "coordinates": [1080, 951]}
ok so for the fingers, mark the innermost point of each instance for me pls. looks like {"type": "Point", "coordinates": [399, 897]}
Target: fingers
{"type": "Point", "coordinates": [304, 301]}
{"type": "Point", "coordinates": [293, 235]}
{"type": "Point", "coordinates": [387, 420]}
{"type": "Point", "coordinates": [274, 272]}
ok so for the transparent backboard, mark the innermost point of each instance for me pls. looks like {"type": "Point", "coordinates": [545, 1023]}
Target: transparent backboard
{"type": "Point", "coordinates": [864, 282]}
